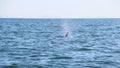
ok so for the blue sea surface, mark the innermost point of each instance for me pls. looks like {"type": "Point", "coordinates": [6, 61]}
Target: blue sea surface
{"type": "Point", "coordinates": [41, 43]}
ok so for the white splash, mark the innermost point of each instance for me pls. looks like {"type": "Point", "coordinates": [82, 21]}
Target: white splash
{"type": "Point", "coordinates": [66, 29]}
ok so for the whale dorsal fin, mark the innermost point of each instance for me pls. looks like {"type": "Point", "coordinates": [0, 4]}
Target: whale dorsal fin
{"type": "Point", "coordinates": [67, 34]}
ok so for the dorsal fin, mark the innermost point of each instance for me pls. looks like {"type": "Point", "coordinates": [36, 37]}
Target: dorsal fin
{"type": "Point", "coordinates": [67, 34]}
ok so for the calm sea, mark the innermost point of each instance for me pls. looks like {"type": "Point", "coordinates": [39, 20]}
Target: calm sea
{"type": "Point", "coordinates": [42, 43]}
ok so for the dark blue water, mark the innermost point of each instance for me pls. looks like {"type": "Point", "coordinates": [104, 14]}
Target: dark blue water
{"type": "Point", "coordinates": [41, 43]}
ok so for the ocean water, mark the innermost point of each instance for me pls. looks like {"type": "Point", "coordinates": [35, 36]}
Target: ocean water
{"type": "Point", "coordinates": [41, 43]}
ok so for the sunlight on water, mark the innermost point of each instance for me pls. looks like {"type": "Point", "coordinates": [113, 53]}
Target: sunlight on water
{"type": "Point", "coordinates": [67, 29]}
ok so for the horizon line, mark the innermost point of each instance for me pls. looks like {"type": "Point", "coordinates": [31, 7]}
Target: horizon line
{"type": "Point", "coordinates": [59, 17]}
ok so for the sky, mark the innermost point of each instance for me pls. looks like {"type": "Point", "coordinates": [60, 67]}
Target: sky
{"type": "Point", "coordinates": [59, 8]}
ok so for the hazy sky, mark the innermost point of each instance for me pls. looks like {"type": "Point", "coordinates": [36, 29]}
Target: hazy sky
{"type": "Point", "coordinates": [60, 8]}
